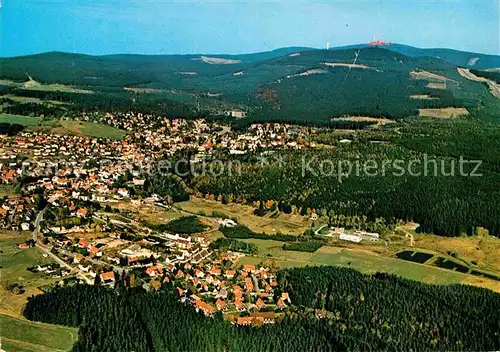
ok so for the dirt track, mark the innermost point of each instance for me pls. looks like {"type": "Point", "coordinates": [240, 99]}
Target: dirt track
{"type": "Point", "coordinates": [494, 88]}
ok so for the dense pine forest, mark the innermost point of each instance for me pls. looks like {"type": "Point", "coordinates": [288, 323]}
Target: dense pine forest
{"type": "Point", "coordinates": [433, 193]}
{"type": "Point", "coordinates": [300, 88]}
{"type": "Point", "coordinates": [356, 312]}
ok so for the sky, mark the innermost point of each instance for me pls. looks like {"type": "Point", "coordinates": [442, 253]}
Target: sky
{"type": "Point", "coordinates": [230, 27]}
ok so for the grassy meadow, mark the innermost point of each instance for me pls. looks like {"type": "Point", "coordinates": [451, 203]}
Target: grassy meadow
{"type": "Point", "coordinates": [82, 128]}
{"type": "Point", "coordinates": [285, 223]}
{"type": "Point", "coordinates": [16, 332]}
{"type": "Point", "coordinates": [24, 335]}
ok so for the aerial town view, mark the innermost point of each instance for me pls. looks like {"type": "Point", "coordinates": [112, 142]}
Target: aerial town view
{"type": "Point", "coordinates": [249, 176]}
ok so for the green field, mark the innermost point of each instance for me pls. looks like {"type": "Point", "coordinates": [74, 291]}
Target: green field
{"type": "Point", "coordinates": [14, 262]}
{"type": "Point", "coordinates": [370, 264]}
{"type": "Point", "coordinates": [92, 129]}
{"type": "Point", "coordinates": [24, 120]}
{"type": "Point", "coordinates": [65, 126]}
{"type": "Point", "coordinates": [24, 335]}
{"type": "Point", "coordinates": [19, 334]}
{"type": "Point", "coordinates": [363, 261]}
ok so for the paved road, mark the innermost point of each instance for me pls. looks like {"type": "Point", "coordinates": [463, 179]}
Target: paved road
{"type": "Point", "coordinates": [319, 229]}
{"type": "Point", "coordinates": [38, 219]}
{"type": "Point", "coordinates": [58, 260]}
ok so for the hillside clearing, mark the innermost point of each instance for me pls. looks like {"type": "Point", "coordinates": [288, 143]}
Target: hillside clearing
{"type": "Point", "coordinates": [71, 127]}
{"type": "Point", "coordinates": [144, 90]}
{"type": "Point", "coordinates": [435, 85]}
{"type": "Point", "coordinates": [427, 76]}
{"type": "Point", "coordinates": [493, 87]}
{"type": "Point", "coordinates": [443, 112]}
{"type": "Point", "coordinates": [55, 87]}
{"type": "Point", "coordinates": [218, 61]}
{"type": "Point", "coordinates": [343, 64]}
{"type": "Point", "coordinates": [22, 99]}
{"type": "Point", "coordinates": [307, 73]}
{"type": "Point", "coordinates": [482, 250]}
{"type": "Point", "coordinates": [362, 260]}
{"type": "Point", "coordinates": [379, 120]}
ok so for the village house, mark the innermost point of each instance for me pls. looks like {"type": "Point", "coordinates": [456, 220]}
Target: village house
{"type": "Point", "coordinates": [206, 308]}
{"type": "Point", "coordinates": [221, 305]}
{"type": "Point", "coordinates": [108, 278]}
{"type": "Point", "coordinates": [155, 270]}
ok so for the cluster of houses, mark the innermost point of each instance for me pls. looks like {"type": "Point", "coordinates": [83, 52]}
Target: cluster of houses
{"type": "Point", "coordinates": [212, 288]}
{"type": "Point", "coordinates": [67, 168]}
{"type": "Point", "coordinates": [17, 213]}
{"type": "Point", "coordinates": [52, 270]}
{"type": "Point", "coordinates": [83, 245]}
{"type": "Point", "coordinates": [88, 168]}
{"type": "Point", "coordinates": [71, 174]}
{"type": "Point", "coordinates": [175, 134]}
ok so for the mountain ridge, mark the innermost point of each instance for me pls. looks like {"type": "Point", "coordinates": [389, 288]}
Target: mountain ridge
{"type": "Point", "coordinates": [457, 57]}
{"type": "Point", "coordinates": [297, 84]}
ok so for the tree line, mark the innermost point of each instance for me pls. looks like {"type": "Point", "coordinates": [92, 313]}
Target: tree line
{"type": "Point", "coordinates": [334, 309]}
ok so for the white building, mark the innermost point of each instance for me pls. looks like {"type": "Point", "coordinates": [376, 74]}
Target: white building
{"type": "Point", "coordinates": [351, 238]}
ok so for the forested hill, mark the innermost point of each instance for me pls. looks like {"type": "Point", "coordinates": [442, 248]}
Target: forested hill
{"type": "Point", "coordinates": [293, 84]}
{"type": "Point", "coordinates": [455, 57]}
{"type": "Point", "coordinates": [358, 313]}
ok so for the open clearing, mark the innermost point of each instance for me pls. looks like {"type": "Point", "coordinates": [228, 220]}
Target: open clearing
{"type": "Point", "coordinates": [362, 260]}
{"type": "Point", "coordinates": [218, 60]}
{"type": "Point", "coordinates": [343, 64]}
{"type": "Point", "coordinates": [91, 129]}
{"type": "Point", "coordinates": [24, 335]}
{"type": "Point", "coordinates": [427, 76]}
{"type": "Point", "coordinates": [493, 87]}
{"type": "Point", "coordinates": [150, 213]}
{"type": "Point", "coordinates": [380, 121]}
{"type": "Point", "coordinates": [14, 262]}
{"type": "Point", "coordinates": [16, 332]}
{"type": "Point", "coordinates": [65, 126]}
{"type": "Point", "coordinates": [32, 100]}
{"type": "Point", "coordinates": [286, 223]}
{"type": "Point", "coordinates": [25, 120]}
{"type": "Point", "coordinates": [307, 73]}
{"type": "Point", "coordinates": [436, 85]}
{"type": "Point", "coordinates": [56, 87]}
{"type": "Point", "coordinates": [483, 250]}
{"type": "Point", "coordinates": [144, 90]}
{"type": "Point", "coordinates": [443, 112]}
{"type": "Point", "coordinates": [32, 84]}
